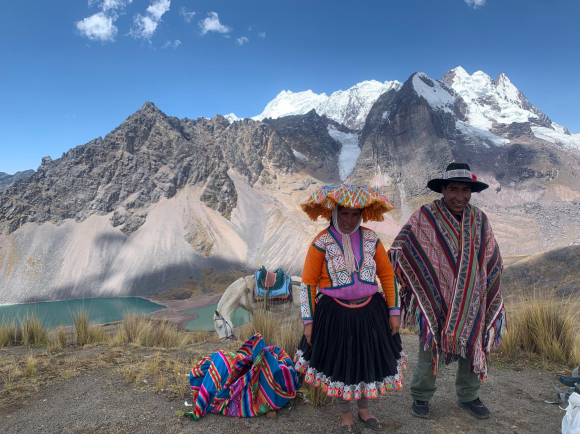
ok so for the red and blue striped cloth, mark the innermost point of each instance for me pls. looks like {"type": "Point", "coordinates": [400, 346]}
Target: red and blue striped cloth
{"type": "Point", "coordinates": [451, 269]}
{"type": "Point", "coordinates": [252, 381]}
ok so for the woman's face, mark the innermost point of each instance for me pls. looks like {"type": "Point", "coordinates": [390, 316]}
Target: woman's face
{"type": "Point", "coordinates": [348, 219]}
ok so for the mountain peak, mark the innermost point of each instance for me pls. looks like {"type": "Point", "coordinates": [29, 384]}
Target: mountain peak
{"type": "Point", "coordinates": [435, 92]}
{"type": "Point", "coordinates": [459, 71]}
{"type": "Point", "coordinates": [148, 105]}
{"type": "Point", "coordinates": [151, 109]}
{"type": "Point", "coordinates": [231, 118]}
{"type": "Point", "coordinates": [348, 107]}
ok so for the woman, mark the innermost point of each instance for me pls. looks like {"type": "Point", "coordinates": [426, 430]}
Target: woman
{"type": "Point", "coordinates": [351, 347]}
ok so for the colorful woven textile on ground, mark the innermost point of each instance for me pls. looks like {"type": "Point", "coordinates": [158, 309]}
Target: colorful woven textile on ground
{"type": "Point", "coordinates": [254, 380]}
{"type": "Point", "coordinates": [324, 199]}
{"type": "Point", "coordinates": [451, 273]}
{"type": "Point", "coordinates": [335, 389]}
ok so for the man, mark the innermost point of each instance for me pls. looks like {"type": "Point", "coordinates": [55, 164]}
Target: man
{"type": "Point", "coordinates": [449, 266]}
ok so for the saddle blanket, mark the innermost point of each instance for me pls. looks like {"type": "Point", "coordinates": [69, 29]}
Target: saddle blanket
{"type": "Point", "coordinates": [273, 289]}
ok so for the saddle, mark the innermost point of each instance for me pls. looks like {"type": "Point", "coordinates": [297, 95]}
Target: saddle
{"type": "Point", "coordinates": [273, 286]}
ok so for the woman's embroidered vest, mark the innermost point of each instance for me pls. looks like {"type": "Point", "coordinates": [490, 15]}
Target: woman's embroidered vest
{"type": "Point", "coordinates": [336, 264]}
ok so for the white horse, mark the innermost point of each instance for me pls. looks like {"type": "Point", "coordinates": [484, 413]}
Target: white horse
{"type": "Point", "coordinates": [241, 294]}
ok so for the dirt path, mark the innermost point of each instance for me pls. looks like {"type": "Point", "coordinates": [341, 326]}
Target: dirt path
{"type": "Point", "coordinates": [102, 401]}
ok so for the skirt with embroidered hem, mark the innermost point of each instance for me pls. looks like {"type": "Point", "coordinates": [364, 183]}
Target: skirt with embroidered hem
{"type": "Point", "coordinates": [353, 352]}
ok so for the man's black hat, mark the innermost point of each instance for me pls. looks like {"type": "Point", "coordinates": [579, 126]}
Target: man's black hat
{"type": "Point", "coordinates": [458, 172]}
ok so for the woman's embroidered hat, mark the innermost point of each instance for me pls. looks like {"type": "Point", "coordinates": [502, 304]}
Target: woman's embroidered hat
{"type": "Point", "coordinates": [458, 172]}
{"type": "Point", "coordinates": [324, 199]}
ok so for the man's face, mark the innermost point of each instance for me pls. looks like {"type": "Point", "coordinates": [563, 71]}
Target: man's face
{"type": "Point", "coordinates": [457, 195]}
{"type": "Point", "coordinates": [347, 219]}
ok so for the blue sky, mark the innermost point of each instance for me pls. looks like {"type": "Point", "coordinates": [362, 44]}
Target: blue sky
{"type": "Point", "coordinates": [73, 70]}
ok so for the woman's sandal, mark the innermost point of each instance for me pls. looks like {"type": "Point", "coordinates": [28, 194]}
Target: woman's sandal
{"type": "Point", "coordinates": [372, 423]}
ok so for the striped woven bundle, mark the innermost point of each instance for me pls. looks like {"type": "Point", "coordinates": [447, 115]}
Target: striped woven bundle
{"type": "Point", "coordinates": [324, 199]}
{"type": "Point", "coordinates": [254, 380]}
{"type": "Point", "coordinates": [451, 272]}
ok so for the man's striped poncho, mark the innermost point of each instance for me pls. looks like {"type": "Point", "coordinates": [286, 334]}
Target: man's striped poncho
{"type": "Point", "coordinates": [450, 271]}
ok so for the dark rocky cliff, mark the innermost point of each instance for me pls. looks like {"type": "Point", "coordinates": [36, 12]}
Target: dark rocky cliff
{"type": "Point", "coordinates": [6, 179]}
{"type": "Point", "coordinates": [148, 157]}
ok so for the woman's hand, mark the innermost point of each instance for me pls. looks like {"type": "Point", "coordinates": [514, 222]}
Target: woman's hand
{"type": "Point", "coordinates": [394, 323]}
{"type": "Point", "coordinates": [308, 333]}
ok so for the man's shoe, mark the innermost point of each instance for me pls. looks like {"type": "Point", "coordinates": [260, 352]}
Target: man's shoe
{"type": "Point", "coordinates": [476, 408]}
{"type": "Point", "coordinates": [420, 409]}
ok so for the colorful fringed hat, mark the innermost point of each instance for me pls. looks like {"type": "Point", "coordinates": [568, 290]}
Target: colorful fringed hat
{"type": "Point", "coordinates": [324, 199]}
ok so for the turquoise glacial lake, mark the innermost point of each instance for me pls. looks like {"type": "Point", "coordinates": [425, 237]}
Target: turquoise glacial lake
{"type": "Point", "coordinates": [100, 310]}
{"type": "Point", "coordinates": [205, 318]}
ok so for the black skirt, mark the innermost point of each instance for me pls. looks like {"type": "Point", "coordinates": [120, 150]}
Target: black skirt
{"type": "Point", "coordinates": [353, 352]}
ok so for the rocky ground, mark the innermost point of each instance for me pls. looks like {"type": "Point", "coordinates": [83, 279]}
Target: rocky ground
{"type": "Point", "coordinates": [95, 396]}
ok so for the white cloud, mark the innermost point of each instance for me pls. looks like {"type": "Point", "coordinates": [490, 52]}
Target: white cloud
{"type": "Point", "coordinates": [187, 16]}
{"type": "Point", "coordinates": [475, 3]}
{"type": "Point", "coordinates": [252, 27]}
{"type": "Point", "coordinates": [158, 8]}
{"type": "Point", "coordinates": [212, 24]}
{"type": "Point", "coordinates": [170, 44]}
{"type": "Point", "coordinates": [144, 26]}
{"type": "Point", "coordinates": [98, 27]}
{"type": "Point", "coordinates": [242, 40]}
{"type": "Point", "coordinates": [262, 35]}
{"type": "Point", "coordinates": [107, 5]}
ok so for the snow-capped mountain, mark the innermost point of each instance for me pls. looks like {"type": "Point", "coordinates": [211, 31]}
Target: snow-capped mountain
{"type": "Point", "coordinates": [231, 117]}
{"type": "Point", "coordinates": [494, 105]}
{"type": "Point", "coordinates": [349, 107]}
{"type": "Point", "coordinates": [485, 109]}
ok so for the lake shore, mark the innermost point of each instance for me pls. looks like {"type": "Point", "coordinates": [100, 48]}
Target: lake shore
{"type": "Point", "coordinates": [174, 308]}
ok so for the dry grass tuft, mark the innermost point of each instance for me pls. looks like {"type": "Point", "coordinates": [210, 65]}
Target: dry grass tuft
{"type": "Point", "coordinates": [544, 325]}
{"type": "Point", "coordinates": [85, 333]}
{"type": "Point", "coordinates": [81, 324]}
{"type": "Point", "coordinates": [314, 395]}
{"type": "Point", "coordinates": [28, 331]}
{"type": "Point", "coordinates": [34, 334]}
{"type": "Point", "coordinates": [30, 366]}
{"type": "Point", "coordinates": [11, 375]}
{"type": "Point", "coordinates": [61, 336]}
{"type": "Point", "coordinates": [164, 371]}
{"type": "Point", "coordinates": [98, 335]}
{"type": "Point", "coordinates": [10, 334]}
{"type": "Point", "coordinates": [144, 331]}
{"type": "Point", "coordinates": [283, 331]}
{"type": "Point", "coordinates": [180, 378]}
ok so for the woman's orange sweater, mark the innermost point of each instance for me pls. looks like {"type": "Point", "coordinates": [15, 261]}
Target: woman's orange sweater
{"type": "Point", "coordinates": [315, 274]}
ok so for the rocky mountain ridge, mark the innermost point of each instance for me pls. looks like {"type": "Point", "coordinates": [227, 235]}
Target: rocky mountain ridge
{"type": "Point", "coordinates": [148, 157]}
{"type": "Point", "coordinates": [6, 179]}
{"type": "Point", "coordinates": [159, 199]}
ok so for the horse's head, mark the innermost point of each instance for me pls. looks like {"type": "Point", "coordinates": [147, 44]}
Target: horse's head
{"type": "Point", "coordinates": [222, 327]}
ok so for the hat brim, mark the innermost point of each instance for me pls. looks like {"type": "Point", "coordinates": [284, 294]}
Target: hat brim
{"type": "Point", "coordinates": [324, 199]}
{"type": "Point", "coordinates": [476, 186]}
